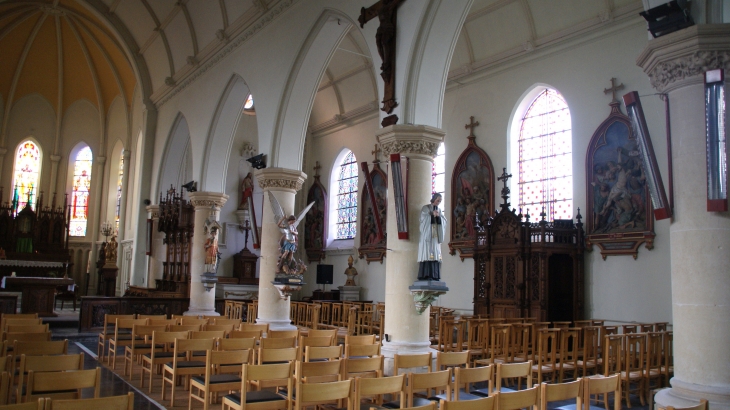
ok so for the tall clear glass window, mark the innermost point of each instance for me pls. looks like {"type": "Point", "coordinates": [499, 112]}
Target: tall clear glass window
{"type": "Point", "coordinates": [545, 158]}
{"type": "Point", "coordinates": [26, 174]}
{"type": "Point", "coordinates": [80, 192]}
{"type": "Point", "coordinates": [347, 198]}
{"type": "Point", "coordinates": [438, 171]}
{"type": "Point", "coordinates": [118, 209]}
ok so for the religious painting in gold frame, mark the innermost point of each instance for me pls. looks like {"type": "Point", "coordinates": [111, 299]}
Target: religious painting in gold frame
{"type": "Point", "coordinates": [315, 223]}
{"type": "Point", "coordinates": [373, 215]}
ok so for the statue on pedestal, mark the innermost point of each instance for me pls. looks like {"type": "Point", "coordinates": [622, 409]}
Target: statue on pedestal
{"type": "Point", "coordinates": [433, 229]}
{"type": "Point", "coordinates": [350, 272]}
{"type": "Point", "coordinates": [288, 267]}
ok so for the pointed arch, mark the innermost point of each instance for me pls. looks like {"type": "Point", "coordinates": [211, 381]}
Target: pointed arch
{"type": "Point", "coordinates": [27, 166]}
{"type": "Point", "coordinates": [114, 202]}
{"type": "Point", "coordinates": [343, 198]}
{"type": "Point", "coordinates": [177, 143]}
{"type": "Point", "coordinates": [81, 162]}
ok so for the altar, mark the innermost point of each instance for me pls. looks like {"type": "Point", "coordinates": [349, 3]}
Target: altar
{"type": "Point", "coordinates": [38, 293]}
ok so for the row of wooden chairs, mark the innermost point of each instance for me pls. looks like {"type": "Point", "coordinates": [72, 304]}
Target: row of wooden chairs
{"type": "Point", "coordinates": [244, 311]}
{"type": "Point", "coordinates": [47, 403]}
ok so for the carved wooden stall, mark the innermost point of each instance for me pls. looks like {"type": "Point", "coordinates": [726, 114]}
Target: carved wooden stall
{"type": "Point", "coordinates": [529, 269]}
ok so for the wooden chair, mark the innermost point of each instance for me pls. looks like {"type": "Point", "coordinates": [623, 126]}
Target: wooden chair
{"type": "Point", "coordinates": [661, 326]}
{"type": "Point", "coordinates": [189, 320]}
{"type": "Point", "coordinates": [518, 399]}
{"type": "Point", "coordinates": [187, 367]}
{"type": "Point", "coordinates": [701, 406]}
{"type": "Point", "coordinates": [4, 387]}
{"type": "Point", "coordinates": [377, 387]}
{"type": "Point", "coordinates": [520, 339]}
{"type": "Point", "coordinates": [122, 337]}
{"type": "Point", "coordinates": [20, 322]}
{"type": "Point", "coordinates": [62, 384]}
{"type": "Point", "coordinates": [646, 327]}
{"type": "Point", "coordinates": [44, 364]}
{"type": "Point", "coordinates": [361, 351]}
{"type": "Point", "coordinates": [654, 359]}
{"type": "Point", "coordinates": [141, 316]}
{"type": "Point", "coordinates": [275, 375]}
{"type": "Point", "coordinates": [59, 347]}
{"type": "Point", "coordinates": [276, 356]}
{"type": "Point", "coordinates": [498, 350]}
{"type": "Point", "coordinates": [546, 359]}
{"type": "Point", "coordinates": [451, 333]}
{"type": "Point", "coordinates": [450, 360]}
{"type": "Point", "coordinates": [246, 334]}
{"type": "Point", "coordinates": [512, 371]}
{"type": "Point", "coordinates": [223, 321]}
{"type": "Point", "coordinates": [12, 338]}
{"type": "Point", "coordinates": [331, 333]}
{"type": "Point", "coordinates": [162, 322]}
{"type": "Point", "coordinates": [561, 392]}
{"type": "Point", "coordinates": [142, 335]}
{"type": "Point", "coordinates": [363, 368]}
{"type": "Point", "coordinates": [593, 386]}
{"type": "Point", "coordinates": [628, 329]}
{"type": "Point", "coordinates": [306, 342]}
{"type": "Point", "coordinates": [184, 328]}
{"type": "Point", "coordinates": [668, 362]}
{"type": "Point", "coordinates": [606, 331]}
{"type": "Point", "coordinates": [467, 376]}
{"type": "Point", "coordinates": [411, 361]}
{"type": "Point", "coordinates": [612, 354]}
{"type": "Point", "coordinates": [589, 362]}
{"type": "Point", "coordinates": [156, 358]}
{"type": "Point", "coordinates": [237, 343]}
{"type": "Point", "coordinates": [476, 338]}
{"type": "Point", "coordinates": [360, 340]}
{"type": "Point", "coordinates": [125, 402]}
{"type": "Point", "coordinates": [208, 334]}
{"type": "Point", "coordinates": [439, 382]}
{"type": "Point", "coordinates": [482, 403]}
{"type": "Point", "coordinates": [318, 372]}
{"type": "Point", "coordinates": [34, 405]}
{"type": "Point", "coordinates": [568, 353]}
{"type": "Point", "coordinates": [318, 393]}
{"type": "Point", "coordinates": [213, 381]}
{"type": "Point", "coordinates": [263, 327]}
{"type": "Point", "coordinates": [336, 315]}
{"type": "Point", "coordinates": [278, 343]}
{"type": "Point", "coordinates": [280, 334]}
{"type": "Point", "coordinates": [633, 367]}
{"type": "Point", "coordinates": [10, 329]}
{"type": "Point", "coordinates": [226, 329]}
{"type": "Point", "coordinates": [322, 353]}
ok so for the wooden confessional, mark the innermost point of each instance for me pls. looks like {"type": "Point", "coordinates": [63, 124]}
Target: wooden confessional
{"type": "Point", "coordinates": [529, 269]}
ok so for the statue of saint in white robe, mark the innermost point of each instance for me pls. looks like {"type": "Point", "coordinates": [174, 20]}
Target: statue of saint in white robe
{"type": "Point", "coordinates": [433, 230]}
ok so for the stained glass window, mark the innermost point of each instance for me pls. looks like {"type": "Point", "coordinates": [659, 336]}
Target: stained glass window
{"type": "Point", "coordinates": [119, 190]}
{"type": "Point", "coordinates": [545, 161]}
{"type": "Point", "coordinates": [26, 173]}
{"type": "Point", "coordinates": [437, 171]}
{"type": "Point", "coordinates": [248, 104]}
{"type": "Point", "coordinates": [347, 198]}
{"type": "Point", "coordinates": [80, 192]}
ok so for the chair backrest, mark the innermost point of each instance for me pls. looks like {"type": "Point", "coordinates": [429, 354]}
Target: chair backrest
{"type": "Point", "coordinates": [590, 343]}
{"type": "Point", "coordinates": [646, 327]}
{"type": "Point", "coordinates": [191, 345]}
{"type": "Point", "coordinates": [159, 338]}
{"type": "Point", "coordinates": [701, 406]}
{"type": "Point", "coordinates": [560, 392]}
{"type": "Point", "coordinates": [612, 354]}
{"type": "Point", "coordinates": [219, 328]}
{"type": "Point", "coordinates": [41, 348]}
{"type": "Point", "coordinates": [21, 322]}
{"type": "Point", "coordinates": [370, 366]}
{"type": "Point", "coordinates": [512, 370]}
{"type": "Point", "coordinates": [162, 322]}
{"type": "Point", "coordinates": [306, 341]}
{"type": "Point", "coordinates": [322, 353]}
{"type": "Point", "coordinates": [467, 376]}
{"type": "Point", "coordinates": [4, 387]}
{"type": "Point", "coordinates": [39, 404]}
{"type": "Point", "coordinates": [438, 381]}
{"type": "Point", "coordinates": [216, 361]}
{"type": "Point", "coordinates": [654, 352]}
{"type": "Point", "coordinates": [274, 374]}
{"type": "Point", "coordinates": [265, 356]}
{"type": "Point", "coordinates": [278, 343]}
{"type": "Point", "coordinates": [224, 321]}
{"type": "Point", "coordinates": [125, 402]}
{"type": "Point", "coordinates": [365, 387]}
{"type": "Point", "coordinates": [360, 340]}
{"type": "Point", "coordinates": [151, 316]}
{"type": "Point", "coordinates": [245, 334]}
{"type": "Point", "coordinates": [634, 349]}
{"type": "Point", "coordinates": [184, 328]}
{"type": "Point", "coordinates": [499, 343]}
{"type": "Point", "coordinates": [411, 361]}
{"type": "Point", "coordinates": [283, 334]}
{"type": "Point", "coordinates": [46, 383]}
{"type": "Point", "coordinates": [318, 372]}
{"type": "Point", "coordinates": [310, 393]}
{"type": "Point", "coordinates": [485, 403]}
{"type": "Point", "coordinates": [600, 385]}
{"type": "Point", "coordinates": [520, 339]}
{"type": "Point", "coordinates": [27, 328]}
{"type": "Point", "coordinates": [332, 333]}
{"type": "Point", "coordinates": [127, 324]}
{"type": "Point", "coordinates": [518, 399]}
{"type": "Point", "coordinates": [28, 337]}
{"type": "Point", "coordinates": [568, 349]}
{"type": "Point", "coordinates": [189, 320]}
{"type": "Point", "coordinates": [237, 344]}
{"type": "Point", "coordinates": [447, 360]}
{"type": "Point", "coordinates": [51, 363]}
{"type": "Point", "coordinates": [661, 326]}
{"type": "Point", "coordinates": [208, 334]}
{"type": "Point", "coordinates": [627, 329]}
{"type": "Point", "coordinates": [362, 350]}
{"type": "Point", "coordinates": [263, 327]}
{"type": "Point", "coordinates": [146, 331]}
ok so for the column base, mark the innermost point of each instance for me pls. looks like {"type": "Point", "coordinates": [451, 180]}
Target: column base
{"type": "Point", "coordinates": [390, 349]}
{"type": "Point", "coordinates": [276, 324]}
{"type": "Point", "coordinates": [683, 394]}
{"type": "Point", "coordinates": [200, 312]}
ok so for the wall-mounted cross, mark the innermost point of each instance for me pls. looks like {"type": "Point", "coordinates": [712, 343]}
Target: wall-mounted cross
{"type": "Point", "coordinates": [505, 176]}
{"type": "Point", "coordinates": [505, 191]}
{"type": "Point", "coordinates": [613, 89]}
{"type": "Point", "coordinates": [471, 125]}
{"type": "Point", "coordinates": [376, 152]}
{"type": "Point", "coordinates": [316, 168]}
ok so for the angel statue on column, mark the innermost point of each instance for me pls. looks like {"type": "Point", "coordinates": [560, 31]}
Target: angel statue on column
{"type": "Point", "coordinates": [287, 265]}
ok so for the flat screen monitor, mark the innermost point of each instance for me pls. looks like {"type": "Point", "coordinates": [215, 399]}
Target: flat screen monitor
{"type": "Point", "coordinates": [324, 274]}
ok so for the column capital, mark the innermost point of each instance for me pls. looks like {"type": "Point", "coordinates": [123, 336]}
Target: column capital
{"type": "Point", "coordinates": [154, 211]}
{"type": "Point", "coordinates": [411, 140]}
{"type": "Point", "coordinates": [100, 160]}
{"type": "Point", "coordinates": [280, 179]}
{"type": "Point", "coordinates": [681, 58]}
{"type": "Point", "coordinates": [207, 199]}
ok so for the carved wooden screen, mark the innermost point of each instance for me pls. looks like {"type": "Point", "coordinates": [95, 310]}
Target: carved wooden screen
{"type": "Point", "coordinates": [372, 245]}
{"type": "Point", "coordinates": [315, 222]}
{"type": "Point", "coordinates": [472, 198]}
{"type": "Point", "coordinates": [619, 217]}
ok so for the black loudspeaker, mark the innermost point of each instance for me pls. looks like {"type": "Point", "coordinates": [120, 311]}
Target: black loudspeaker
{"type": "Point", "coordinates": [324, 274]}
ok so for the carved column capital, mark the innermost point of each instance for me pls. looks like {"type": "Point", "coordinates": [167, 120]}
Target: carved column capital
{"type": "Point", "coordinates": [280, 179]}
{"type": "Point", "coordinates": [207, 199]}
{"type": "Point", "coordinates": [100, 160]}
{"type": "Point", "coordinates": [681, 58]}
{"type": "Point", "coordinates": [154, 211]}
{"type": "Point", "coordinates": [411, 140]}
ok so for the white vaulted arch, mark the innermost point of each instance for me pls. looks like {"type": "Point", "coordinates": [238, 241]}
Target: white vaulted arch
{"type": "Point", "coordinates": [174, 154]}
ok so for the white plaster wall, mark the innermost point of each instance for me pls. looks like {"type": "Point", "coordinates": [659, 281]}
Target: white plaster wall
{"type": "Point", "coordinates": [619, 288]}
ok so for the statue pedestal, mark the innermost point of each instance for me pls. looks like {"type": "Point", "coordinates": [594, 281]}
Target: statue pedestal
{"type": "Point", "coordinates": [349, 293]}
{"type": "Point", "coordinates": [109, 280]}
{"type": "Point", "coordinates": [425, 293]}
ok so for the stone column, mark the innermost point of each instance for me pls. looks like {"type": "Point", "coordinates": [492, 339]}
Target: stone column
{"type": "Point", "coordinates": [155, 269]}
{"type": "Point", "coordinates": [202, 302]}
{"type": "Point", "coordinates": [407, 330]}
{"type": "Point", "coordinates": [284, 184]}
{"type": "Point", "coordinates": [699, 239]}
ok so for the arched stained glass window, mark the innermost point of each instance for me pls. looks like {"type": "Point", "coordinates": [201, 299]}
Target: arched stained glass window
{"type": "Point", "coordinates": [26, 174]}
{"type": "Point", "coordinates": [437, 171]}
{"type": "Point", "coordinates": [119, 190]}
{"type": "Point", "coordinates": [347, 198]}
{"type": "Point", "coordinates": [80, 192]}
{"type": "Point", "coordinates": [545, 158]}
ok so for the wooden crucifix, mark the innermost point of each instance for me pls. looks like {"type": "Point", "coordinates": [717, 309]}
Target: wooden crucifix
{"type": "Point", "coordinates": [505, 190]}
{"type": "Point", "coordinates": [471, 127]}
{"type": "Point", "coordinates": [386, 11]}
